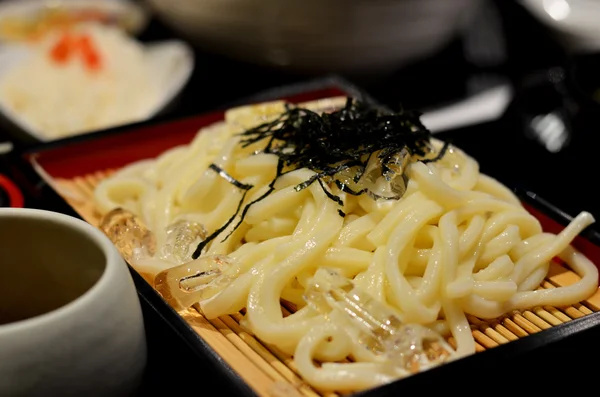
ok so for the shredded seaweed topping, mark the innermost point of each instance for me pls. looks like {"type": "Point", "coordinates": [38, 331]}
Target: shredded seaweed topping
{"type": "Point", "coordinates": [360, 149]}
{"type": "Point", "coordinates": [324, 142]}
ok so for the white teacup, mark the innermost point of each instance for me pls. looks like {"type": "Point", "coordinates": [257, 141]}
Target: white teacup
{"type": "Point", "coordinates": [70, 319]}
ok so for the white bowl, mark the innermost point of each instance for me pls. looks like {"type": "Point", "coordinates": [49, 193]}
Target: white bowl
{"type": "Point", "coordinates": [171, 63]}
{"type": "Point", "coordinates": [575, 22]}
{"type": "Point", "coordinates": [86, 338]}
{"type": "Point", "coordinates": [319, 36]}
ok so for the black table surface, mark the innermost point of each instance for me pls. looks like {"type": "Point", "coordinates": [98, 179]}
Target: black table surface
{"type": "Point", "coordinates": [501, 147]}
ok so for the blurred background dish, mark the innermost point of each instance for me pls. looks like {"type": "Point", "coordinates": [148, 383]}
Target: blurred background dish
{"type": "Point", "coordinates": [314, 36]}
{"type": "Point", "coordinates": [576, 23]}
{"type": "Point", "coordinates": [30, 19]}
{"type": "Point", "coordinates": [88, 78]}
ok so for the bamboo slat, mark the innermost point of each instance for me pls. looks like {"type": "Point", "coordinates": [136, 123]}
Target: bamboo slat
{"type": "Point", "coordinates": [271, 372]}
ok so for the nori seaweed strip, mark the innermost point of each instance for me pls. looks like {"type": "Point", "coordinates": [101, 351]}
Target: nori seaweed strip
{"type": "Point", "coordinates": [329, 194]}
{"type": "Point", "coordinates": [247, 207]}
{"type": "Point", "coordinates": [346, 189]}
{"type": "Point", "coordinates": [374, 196]}
{"type": "Point", "coordinates": [439, 155]}
{"type": "Point", "coordinates": [223, 174]}
{"type": "Point", "coordinates": [210, 238]}
{"type": "Point", "coordinates": [320, 175]}
{"type": "Point", "coordinates": [246, 187]}
{"type": "Point", "coordinates": [306, 183]}
{"type": "Point", "coordinates": [361, 170]}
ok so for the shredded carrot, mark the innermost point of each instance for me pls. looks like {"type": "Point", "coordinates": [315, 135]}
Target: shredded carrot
{"type": "Point", "coordinates": [63, 49]}
{"type": "Point", "coordinates": [83, 45]}
{"type": "Point", "coordinates": [90, 54]}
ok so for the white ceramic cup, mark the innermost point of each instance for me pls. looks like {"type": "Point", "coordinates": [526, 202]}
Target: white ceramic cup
{"type": "Point", "coordinates": [70, 319]}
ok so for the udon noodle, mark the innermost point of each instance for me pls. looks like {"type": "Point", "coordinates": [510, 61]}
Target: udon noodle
{"type": "Point", "coordinates": [457, 242]}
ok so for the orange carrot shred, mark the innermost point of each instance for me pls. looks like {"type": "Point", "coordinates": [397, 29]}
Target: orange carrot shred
{"type": "Point", "coordinates": [90, 54]}
{"type": "Point", "coordinates": [62, 50]}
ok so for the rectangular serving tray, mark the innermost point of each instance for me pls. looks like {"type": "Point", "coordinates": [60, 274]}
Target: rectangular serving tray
{"type": "Point", "coordinates": [82, 160]}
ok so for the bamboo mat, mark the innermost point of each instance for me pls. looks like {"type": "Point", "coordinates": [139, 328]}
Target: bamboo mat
{"type": "Point", "coordinates": [272, 373]}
